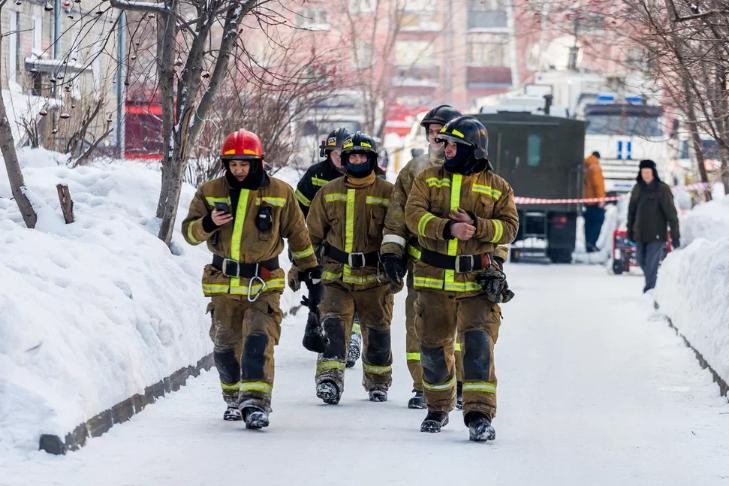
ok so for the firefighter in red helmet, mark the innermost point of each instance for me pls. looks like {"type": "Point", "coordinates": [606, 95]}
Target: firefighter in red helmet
{"type": "Point", "coordinates": [243, 217]}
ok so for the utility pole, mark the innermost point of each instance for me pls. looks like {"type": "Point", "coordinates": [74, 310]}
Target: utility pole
{"type": "Point", "coordinates": [120, 91]}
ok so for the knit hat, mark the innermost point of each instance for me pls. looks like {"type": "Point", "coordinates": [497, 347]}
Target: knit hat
{"type": "Point", "coordinates": [647, 164]}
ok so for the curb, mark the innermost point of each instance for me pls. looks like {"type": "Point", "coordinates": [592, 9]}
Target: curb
{"type": "Point", "coordinates": [723, 386]}
{"type": "Point", "coordinates": [122, 411]}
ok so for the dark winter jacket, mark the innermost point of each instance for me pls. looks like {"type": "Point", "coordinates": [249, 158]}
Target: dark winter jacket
{"type": "Point", "coordinates": [316, 177]}
{"type": "Point", "coordinates": [650, 211]}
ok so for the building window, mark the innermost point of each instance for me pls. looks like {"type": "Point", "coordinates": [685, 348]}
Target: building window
{"type": "Point", "coordinates": [313, 18]}
{"type": "Point", "coordinates": [415, 53]}
{"type": "Point", "coordinates": [13, 47]}
{"type": "Point", "coordinates": [361, 6]}
{"type": "Point", "coordinates": [362, 57]}
{"type": "Point", "coordinates": [488, 53]}
{"type": "Point", "coordinates": [487, 14]}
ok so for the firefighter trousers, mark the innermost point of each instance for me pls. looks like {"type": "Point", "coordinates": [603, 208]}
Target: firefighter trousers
{"type": "Point", "coordinates": [439, 315]}
{"type": "Point", "coordinates": [412, 344]}
{"type": "Point", "coordinates": [244, 335]}
{"type": "Point", "coordinates": [373, 306]}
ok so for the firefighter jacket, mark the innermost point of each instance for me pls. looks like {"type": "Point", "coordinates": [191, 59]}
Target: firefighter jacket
{"type": "Point", "coordinates": [349, 214]}
{"type": "Point", "coordinates": [396, 237]}
{"type": "Point", "coordinates": [242, 241]}
{"type": "Point", "coordinates": [594, 180]}
{"type": "Point", "coordinates": [434, 195]}
{"type": "Point", "coordinates": [316, 177]}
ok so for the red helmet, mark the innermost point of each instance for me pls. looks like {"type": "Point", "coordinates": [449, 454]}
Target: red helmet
{"type": "Point", "coordinates": [242, 144]}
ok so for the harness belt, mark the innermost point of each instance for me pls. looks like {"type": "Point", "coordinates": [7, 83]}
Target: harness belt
{"type": "Point", "coordinates": [233, 268]}
{"type": "Point", "coordinates": [354, 259]}
{"type": "Point", "coordinates": [459, 263]}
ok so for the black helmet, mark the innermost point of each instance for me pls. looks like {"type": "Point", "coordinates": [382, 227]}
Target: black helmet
{"type": "Point", "coordinates": [469, 131]}
{"type": "Point", "coordinates": [359, 143]}
{"type": "Point", "coordinates": [333, 141]}
{"type": "Point", "coordinates": [440, 114]}
{"type": "Point", "coordinates": [471, 140]}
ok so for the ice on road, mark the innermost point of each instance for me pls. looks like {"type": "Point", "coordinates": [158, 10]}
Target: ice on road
{"type": "Point", "coordinates": [594, 388]}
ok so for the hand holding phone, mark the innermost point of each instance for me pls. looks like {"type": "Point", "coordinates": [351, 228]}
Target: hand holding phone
{"type": "Point", "coordinates": [221, 214]}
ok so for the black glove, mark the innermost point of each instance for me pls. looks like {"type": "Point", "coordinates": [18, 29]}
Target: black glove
{"type": "Point", "coordinates": [311, 276]}
{"type": "Point", "coordinates": [394, 267]}
{"type": "Point", "coordinates": [313, 337]}
{"type": "Point", "coordinates": [676, 242]}
{"type": "Point", "coordinates": [493, 282]}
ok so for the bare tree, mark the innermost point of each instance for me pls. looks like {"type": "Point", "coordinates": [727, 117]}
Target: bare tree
{"type": "Point", "coordinates": [197, 38]}
{"type": "Point", "coordinates": [7, 146]}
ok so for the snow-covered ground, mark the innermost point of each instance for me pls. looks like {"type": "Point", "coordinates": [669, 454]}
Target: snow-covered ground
{"type": "Point", "coordinates": [594, 388]}
{"type": "Point", "coordinates": [693, 283]}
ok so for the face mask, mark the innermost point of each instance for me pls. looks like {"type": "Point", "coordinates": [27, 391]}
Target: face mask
{"type": "Point", "coordinates": [462, 160]}
{"type": "Point", "coordinates": [360, 170]}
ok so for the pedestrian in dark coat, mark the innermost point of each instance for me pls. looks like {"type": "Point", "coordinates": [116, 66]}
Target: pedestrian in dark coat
{"type": "Point", "coordinates": [650, 213]}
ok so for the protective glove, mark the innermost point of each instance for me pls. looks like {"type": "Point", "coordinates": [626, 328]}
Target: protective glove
{"type": "Point", "coordinates": [293, 279]}
{"type": "Point", "coordinates": [312, 279]}
{"type": "Point", "coordinates": [493, 282]}
{"type": "Point", "coordinates": [394, 267]}
{"type": "Point", "coordinates": [676, 242]}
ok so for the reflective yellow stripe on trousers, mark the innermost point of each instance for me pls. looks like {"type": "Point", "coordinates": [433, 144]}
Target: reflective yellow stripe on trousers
{"type": "Point", "coordinates": [238, 231]}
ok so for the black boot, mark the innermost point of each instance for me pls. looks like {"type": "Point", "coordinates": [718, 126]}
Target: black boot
{"type": "Point", "coordinates": [434, 421]}
{"type": "Point", "coordinates": [479, 427]}
{"type": "Point", "coordinates": [459, 395]}
{"type": "Point", "coordinates": [256, 418]}
{"type": "Point", "coordinates": [232, 413]}
{"type": "Point", "coordinates": [378, 395]}
{"type": "Point", "coordinates": [328, 391]}
{"type": "Point", "coordinates": [417, 401]}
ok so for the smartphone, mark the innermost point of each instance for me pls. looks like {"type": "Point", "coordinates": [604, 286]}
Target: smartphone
{"type": "Point", "coordinates": [222, 206]}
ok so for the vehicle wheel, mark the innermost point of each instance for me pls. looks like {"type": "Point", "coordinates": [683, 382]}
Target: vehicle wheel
{"type": "Point", "coordinates": [618, 267]}
{"type": "Point", "coordinates": [560, 256]}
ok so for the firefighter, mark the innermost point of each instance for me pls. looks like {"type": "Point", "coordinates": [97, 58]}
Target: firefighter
{"type": "Point", "coordinates": [400, 248]}
{"type": "Point", "coordinates": [461, 212]}
{"type": "Point", "coordinates": [316, 177]}
{"type": "Point", "coordinates": [346, 219]}
{"type": "Point", "coordinates": [243, 217]}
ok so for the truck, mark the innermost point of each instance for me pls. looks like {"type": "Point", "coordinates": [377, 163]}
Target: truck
{"type": "Point", "coordinates": [625, 132]}
{"type": "Point", "coordinates": [541, 156]}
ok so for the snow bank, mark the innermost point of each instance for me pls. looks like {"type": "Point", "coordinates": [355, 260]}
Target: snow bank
{"type": "Point", "coordinates": [709, 221]}
{"type": "Point", "coordinates": [693, 283]}
{"type": "Point", "coordinates": [94, 311]}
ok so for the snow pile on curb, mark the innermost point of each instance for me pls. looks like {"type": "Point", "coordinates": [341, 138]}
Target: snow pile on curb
{"type": "Point", "coordinates": [709, 221]}
{"type": "Point", "coordinates": [94, 311]}
{"type": "Point", "coordinates": [693, 283]}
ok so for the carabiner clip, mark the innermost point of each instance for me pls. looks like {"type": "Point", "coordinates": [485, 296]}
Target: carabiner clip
{"type": "Point", "coordinates": [253, 297]}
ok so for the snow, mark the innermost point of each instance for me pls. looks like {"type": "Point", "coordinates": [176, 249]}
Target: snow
{"type": "Point", "coordinates": [94, 311]}
{"type": "Point", "coordinates": [20, 106]}
{"type": "Point", "coordinates": [693, 283]}
{"type": "Point", "coordinates": [594, 388]}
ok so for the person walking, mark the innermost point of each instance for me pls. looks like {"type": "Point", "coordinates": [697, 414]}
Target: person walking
{"type": "Point", "coordinates": [650, 212]}
{"type": "Point", "coordinates": [594, 188]}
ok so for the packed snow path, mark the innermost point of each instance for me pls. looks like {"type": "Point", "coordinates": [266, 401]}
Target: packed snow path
{"type": "Point", "coordinates": [593, 389]}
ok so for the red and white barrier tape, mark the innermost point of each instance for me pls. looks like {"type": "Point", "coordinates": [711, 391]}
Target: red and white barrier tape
{"type": "Point", "coordinates": [699, 186]}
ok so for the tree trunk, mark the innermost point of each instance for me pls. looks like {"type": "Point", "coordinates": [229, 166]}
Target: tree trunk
{"type": "Point", "coordinates": [15, 175]}
{"type": "Point", "coordinates": [166, 37]}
